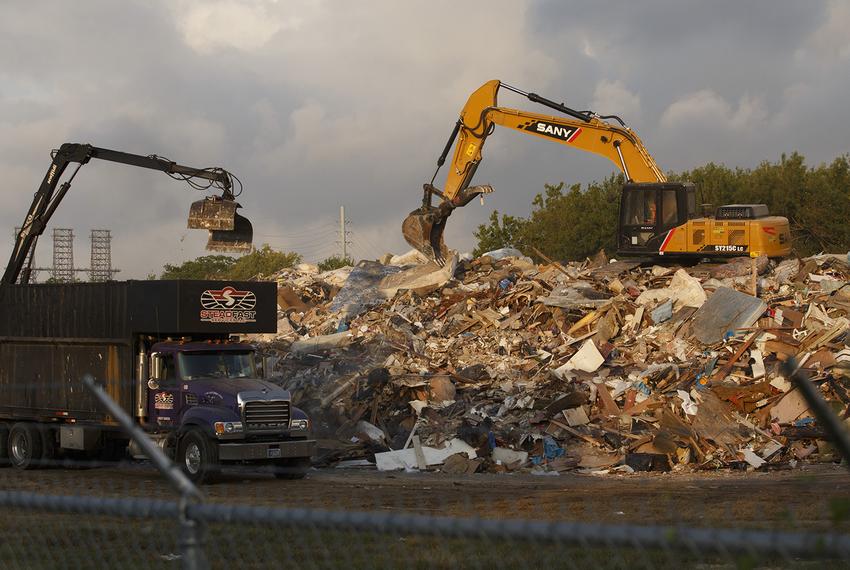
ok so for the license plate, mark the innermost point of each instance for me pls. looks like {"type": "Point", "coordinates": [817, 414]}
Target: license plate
{"type": "Point", "coordinates": [274, 453]}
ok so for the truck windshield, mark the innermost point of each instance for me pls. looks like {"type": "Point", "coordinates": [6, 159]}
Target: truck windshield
{"type": "Point", "coordinates": [230, 364]}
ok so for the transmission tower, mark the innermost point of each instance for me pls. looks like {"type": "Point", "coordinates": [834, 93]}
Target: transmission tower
{"type": "Point", "coordinates": [63, 255]}
{"type": "Point", "coordinates": [101, 256]}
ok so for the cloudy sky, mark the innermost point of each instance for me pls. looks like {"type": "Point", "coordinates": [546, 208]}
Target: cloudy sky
{"type": "Point", "coordinates": [316, 104]}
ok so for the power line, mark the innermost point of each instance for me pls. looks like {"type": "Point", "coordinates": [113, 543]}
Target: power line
{"type": "Point", "coordinates": [375, 249]}
{"type": "Point", "coordinates": [326, 229]}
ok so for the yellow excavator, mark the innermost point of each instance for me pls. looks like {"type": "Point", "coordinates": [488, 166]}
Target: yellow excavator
{"type": "Point", "coordinates": [657, 217]}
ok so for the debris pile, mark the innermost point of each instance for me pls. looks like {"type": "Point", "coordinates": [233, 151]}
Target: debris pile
{"type": "Point", "coordinates": [499, 364]}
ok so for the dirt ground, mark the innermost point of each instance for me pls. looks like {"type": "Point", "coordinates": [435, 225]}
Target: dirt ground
{"type": "Point", "coordinates": [805, 498]}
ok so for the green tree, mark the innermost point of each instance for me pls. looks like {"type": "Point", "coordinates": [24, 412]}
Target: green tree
{"type": "Point", "coordinates": [262, 262]}
{"type": "Point", "coordinates": [575, 223]}
{"type": "Point", "coordinates": [335, 262]}
{"type": "Point", "coordinates": [204, 267]}
{"type": "Point", "coordinates": [570, 224]}
{"type": "Point", "coordinates": [506, 231]}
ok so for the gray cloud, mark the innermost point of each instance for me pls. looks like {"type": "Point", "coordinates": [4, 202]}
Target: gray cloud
{"type": "Point", "coordinates": [314, 103]}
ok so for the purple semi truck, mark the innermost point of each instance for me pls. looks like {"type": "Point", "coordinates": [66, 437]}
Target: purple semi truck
{"type": "Point", "coordinates": [165, 351]}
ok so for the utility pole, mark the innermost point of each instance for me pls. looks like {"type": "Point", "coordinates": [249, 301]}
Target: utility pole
{"type": "Point", "coordinates": [343, 234]}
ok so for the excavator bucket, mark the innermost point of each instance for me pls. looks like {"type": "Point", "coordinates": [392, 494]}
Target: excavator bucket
{"type": "Point", "coordinates": [237, 240]}
{"type": "Point", "coordinates": [423, 229]}
{"type": "Point", "coordinates": [213, 213]}
{"type": "Point", "coordinates": [229, 232]}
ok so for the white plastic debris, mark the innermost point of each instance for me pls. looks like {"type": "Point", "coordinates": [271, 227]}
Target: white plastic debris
{"type": "Point", "coordinates": [688, 405]}
{"type": "Point", "coordinates": [587, 358]}
{"type": "Point", "coordinates": [406, 458]}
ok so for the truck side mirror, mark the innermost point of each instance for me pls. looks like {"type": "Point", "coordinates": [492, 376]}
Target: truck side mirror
{"type": "Point", "coordinates": [157, 368]}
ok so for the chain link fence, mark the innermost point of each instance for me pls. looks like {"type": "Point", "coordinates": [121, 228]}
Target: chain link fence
{"type": "Point", "coordinates": [90, 518]}
{"type": "Point", "coordinates": [74, 512]}
{"type": "Point", "coordinates": [87, 532]}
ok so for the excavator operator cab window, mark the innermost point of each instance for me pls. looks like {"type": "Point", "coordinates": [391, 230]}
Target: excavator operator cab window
{"type": "Point", "coordinates": [669, 210]}
{"type": "Point", "coordinates": [640, 211]}
{"type": "Point", "coordinates": [649, 210]}
{"type": "Point", "coordinates": [692, 202]}
{"type": "Point", "coordinates": [640, 207]}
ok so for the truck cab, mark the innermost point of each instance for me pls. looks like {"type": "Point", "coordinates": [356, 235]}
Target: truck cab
{"type": "Point", "coordinates": [208, 403]}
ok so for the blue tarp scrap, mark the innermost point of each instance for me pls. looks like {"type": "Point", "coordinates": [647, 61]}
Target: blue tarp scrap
{"type": "Point", "coordinates": [551, 450]}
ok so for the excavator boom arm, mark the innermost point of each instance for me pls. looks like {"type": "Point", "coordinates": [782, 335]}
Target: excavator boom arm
{"type": "Point", "coordinates": [424, 227]}
{"type": "Point", "coordinates": [585, 132]}
{"type": "Point", "coordinates": [50, 193]}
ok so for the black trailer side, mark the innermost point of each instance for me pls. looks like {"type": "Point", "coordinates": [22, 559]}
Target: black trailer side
{"type": "Point", "coordinates": [53, 334]}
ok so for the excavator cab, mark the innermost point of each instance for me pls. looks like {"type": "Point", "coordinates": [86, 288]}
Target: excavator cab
{"type": "Point", "coordinates": [648, 211]}
{"type": "Point", "coordinates": [229, 232]}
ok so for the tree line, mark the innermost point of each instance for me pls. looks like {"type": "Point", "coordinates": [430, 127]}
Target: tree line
{"type": "Point", "coordinates": [260, 263]}
{"type": "Point", "coordinates": [570, 223]}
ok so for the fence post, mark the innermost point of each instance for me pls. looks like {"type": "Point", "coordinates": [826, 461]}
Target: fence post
{"type": "Point", "coordinates": [191, 531]}
{"type": "Point", "coordinates": [828, 419]}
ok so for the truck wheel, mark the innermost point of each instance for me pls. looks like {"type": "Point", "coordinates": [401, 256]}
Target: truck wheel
{"type": "Point", "coordinates": [4, 445]}
{"type": "Point", "coordinates": [198, 456]}
{"type": "Point", "coordinates": [25, 446]}
{"type": "Point", "coordinates": [292, 468]}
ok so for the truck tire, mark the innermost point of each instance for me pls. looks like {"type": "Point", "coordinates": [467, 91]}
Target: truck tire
{"type": "Point", "coordinates": [25, 446]}
{"type": "Point", "coordinates": [4, 445]}
{"type": "Point", "coordinates": [197, 456]}
{"type": "Point", "coordinates": [292, 468]}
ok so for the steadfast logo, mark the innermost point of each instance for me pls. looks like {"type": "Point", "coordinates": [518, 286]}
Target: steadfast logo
{"type": "Point", "coordinates": [553, 130]}
{"type": "Point", "coordinates": [228, 305]}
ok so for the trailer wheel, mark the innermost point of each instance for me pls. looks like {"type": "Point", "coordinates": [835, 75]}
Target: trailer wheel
{"type": "Point", "coordinates": [25, 446]}
{"type": "Point", "coordinates": [292, 468]}
{"type": "Point", "coordinates": [198, 456]}
{"type": "Point", "coordinates": [4, 445]}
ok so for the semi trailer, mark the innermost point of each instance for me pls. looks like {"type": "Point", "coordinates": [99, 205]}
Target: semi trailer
{"type": "Point", "coordinates": [165, 352]}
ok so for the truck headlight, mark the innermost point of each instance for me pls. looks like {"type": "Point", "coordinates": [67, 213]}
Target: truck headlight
{"type": "Point", "coordinates": [299, 425]}
{"type": "Point", "coordinates": [222, 428]}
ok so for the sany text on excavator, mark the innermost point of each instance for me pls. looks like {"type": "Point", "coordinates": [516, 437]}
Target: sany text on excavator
{"type": "Point", "coordinates": [228, 230]}
{"type": "Point", "coordinates": [657, 217]}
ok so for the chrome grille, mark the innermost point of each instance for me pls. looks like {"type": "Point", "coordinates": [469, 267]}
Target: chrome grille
{"type": "Point", "coordinates": [263, 415]}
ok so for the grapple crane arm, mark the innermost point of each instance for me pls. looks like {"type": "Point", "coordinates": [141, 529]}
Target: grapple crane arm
{"type": "Point", "coordinates": [228, 230]}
